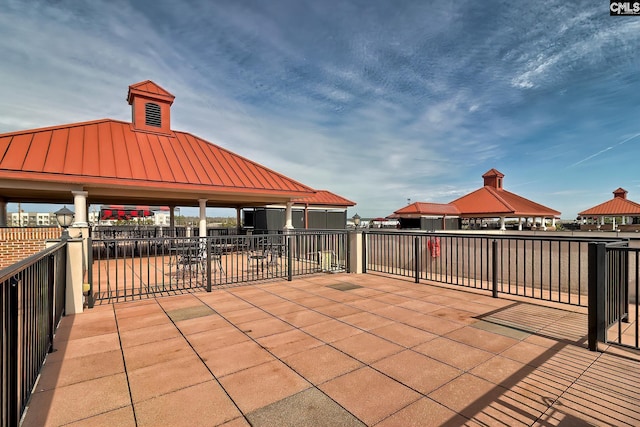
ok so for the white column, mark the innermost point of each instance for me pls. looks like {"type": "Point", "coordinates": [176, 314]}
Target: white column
{"type": "Point", "coordinates": [543, 223]}
{"type": "Point", "coordinates": [80, 207]}
{"type": "Point", "coordinates": [203, 217]}
{"type": "Point", "coordinates": [288, 225]}
{"type": "Point", "coordinates": [355, 251]}
{"type": "Point", "coordinates": [613, 223]}
{"type": "Point", "coordinates": [520, 223]}
{"type": "Point", "coordinates": [76, 254]}
{"type": "Point", "coordinates": [3, 213]}
{"type": "Point", "coordinates": [553, 222]}
{"type": "Point", "coordinates": [624, 220]}
{"type": "Point", "coordinates": [502, 226]}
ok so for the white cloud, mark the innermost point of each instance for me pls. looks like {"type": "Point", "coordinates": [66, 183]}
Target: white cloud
{"type": "Point", "coordinates": [378, 104]}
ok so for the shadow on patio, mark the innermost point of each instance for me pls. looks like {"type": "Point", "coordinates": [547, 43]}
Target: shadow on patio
{"type": "Point", "coordinates": [332, 350]}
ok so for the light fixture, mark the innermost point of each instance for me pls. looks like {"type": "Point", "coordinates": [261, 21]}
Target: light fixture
{"type": "Point", "coordinates": [356, 220]}
{"type": "Point", "coordinates": [65, 219]}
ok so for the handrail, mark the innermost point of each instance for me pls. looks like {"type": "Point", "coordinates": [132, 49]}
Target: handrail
{"type": "Point", "coordinates": [12, 270]}
{"type": "Point", "coordinates": [32, 301]}
{"type": "Point", "coordinates": [497, 236]}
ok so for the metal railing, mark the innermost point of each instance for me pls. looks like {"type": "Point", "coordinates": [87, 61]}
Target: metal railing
{"type": "Point", "coordinates": [613, 294]}
{"type": "Point", "coordinates": [152, 231]}
{"type": "Point", "coordinates": [129, 268]}
{"type": "Point", "coordinates": [32, 300]}
{"type": "Point", "coordinates": [549, 268]}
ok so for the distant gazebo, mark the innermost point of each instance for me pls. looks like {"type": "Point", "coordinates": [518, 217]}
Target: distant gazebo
{"type": "Point", "coordinates": [491, 201]}
{"type": "Point", "coordinates": [428, 216]}
{"type": "Point", "coordinates": [619, 207]}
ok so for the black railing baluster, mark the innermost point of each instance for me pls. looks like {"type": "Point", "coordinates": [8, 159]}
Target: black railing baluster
{"type": "Point", "coordinates": [31, 297]}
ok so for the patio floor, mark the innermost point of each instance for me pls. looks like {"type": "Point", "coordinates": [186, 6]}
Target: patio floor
{"type": "Point", "coordinates": [333, 350]}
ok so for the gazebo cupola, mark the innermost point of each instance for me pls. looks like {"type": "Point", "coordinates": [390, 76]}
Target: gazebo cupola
{"type": "Point", "coordinates": [493, 179]}
{"type": "Point", "coordinates": [150, 107]}
{"type": "Point", "coordinates": [620, 193]}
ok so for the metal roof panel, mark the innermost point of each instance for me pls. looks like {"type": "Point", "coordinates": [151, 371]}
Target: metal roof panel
{"type": "Point", "coordinates": [75, 151]}
{"type": "Point", "coordinates": [16, 152]}
{"type": "Point", "coordinates": [105, 150]}
{"type": "Point", "coordinates": [90, 157]}
{"type": "Point", "coordinates": [57, 154]}
{"type": "Point", "coordinates": [37, 154]}
{"type": "Point", "coordinates": [326, 198]}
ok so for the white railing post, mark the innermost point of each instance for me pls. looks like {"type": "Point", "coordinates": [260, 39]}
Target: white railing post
{"type": "Point", "coordinates": [75, 272]}
{"type": "Point", "coordinates": [355, 251]}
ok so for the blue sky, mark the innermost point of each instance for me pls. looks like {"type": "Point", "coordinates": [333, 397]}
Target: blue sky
{"type": "Point", "coordinates": [378, 101]}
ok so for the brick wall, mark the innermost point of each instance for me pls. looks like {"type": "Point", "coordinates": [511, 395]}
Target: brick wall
{"type": "Point", "coordinates": [18, 243]}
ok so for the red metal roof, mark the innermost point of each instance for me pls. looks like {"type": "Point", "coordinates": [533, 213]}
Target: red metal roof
{"type": "Point", "coordinates": [148, 87]}
{"type": "Point", "coordinates": [489, 201]}
{"type": "Point", "coordinates": [619, 205]}
{"type": "Point", "coordinates": [420, 208]}
{"type": "Point", "coordinates": [493, 200]}
{"type": "Point", "coordinates": [143, 156]}
{"type": "Point", "coordinates": [325, 198]}
{"type": "Point", "coordinates": [107, 151]}
{"type": "Point", "coordinates": [493, 173]}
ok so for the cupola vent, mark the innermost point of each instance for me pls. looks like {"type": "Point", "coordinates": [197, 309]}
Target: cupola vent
{"type": "Point", "coordinates": [152, 116]}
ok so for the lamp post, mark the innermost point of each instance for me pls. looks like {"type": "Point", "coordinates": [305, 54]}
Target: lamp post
{"type": "Point", "coordinates": [356, 220]}
{"type": "Point", "coordinates": [65, 219]}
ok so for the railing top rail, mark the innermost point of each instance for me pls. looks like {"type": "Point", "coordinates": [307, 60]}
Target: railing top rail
{"type": "Point", "coordinates": [317, 231]}
{"type": "Point", "coordinates": [16, 268]}
{"type": "Point", "coordinates": [618, 244]}
{"type": "Point", "coordinates": [219, 237]}
{"type": "Point", "coordinates": [499, 236]}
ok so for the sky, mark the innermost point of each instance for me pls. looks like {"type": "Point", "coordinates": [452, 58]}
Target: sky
{"type": "Point", "coordinates": [382, 102]}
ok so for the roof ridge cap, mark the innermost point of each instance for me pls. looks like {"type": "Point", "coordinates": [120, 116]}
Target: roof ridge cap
{"type": "Point", "coordinates": [63, 126]}
{"type": "Point", "coordinates": [495, 194]}
{"type": "Point", "coordinates": [531, 201]}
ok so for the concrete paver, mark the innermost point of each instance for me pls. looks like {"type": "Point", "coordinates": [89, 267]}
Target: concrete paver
{"type": "Point", "coordinates": [369, 395]}
{"type": "Point", "coordinates": [332, 350]}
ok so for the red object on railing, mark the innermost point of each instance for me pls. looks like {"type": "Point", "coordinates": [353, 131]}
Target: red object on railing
{"type": "Point", "coordinates": [433, 245]}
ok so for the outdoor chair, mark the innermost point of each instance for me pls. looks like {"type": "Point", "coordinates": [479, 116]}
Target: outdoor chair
{"type": "Point", "coordinates": [192, 260]}
{"type": "Point", "coordinates": [327, 260]}
{"type": "Point", "coordinates": [256, 255]}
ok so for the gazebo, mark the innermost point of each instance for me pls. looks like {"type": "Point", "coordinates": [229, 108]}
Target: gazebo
{"type": "Point", "coordinates": [488, 202]}
{"type": "Point", "coordinates": [428, 216]}
{"type": "Point", "coordinates": [322, 210]}
{"type": "Point", "coordinates": [144, 162]}
{"type": "Point", "coordinates": [619, 207]}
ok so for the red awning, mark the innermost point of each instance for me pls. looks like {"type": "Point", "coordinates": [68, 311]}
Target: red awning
{"type": "Point", "coordinates": [125, 212]}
